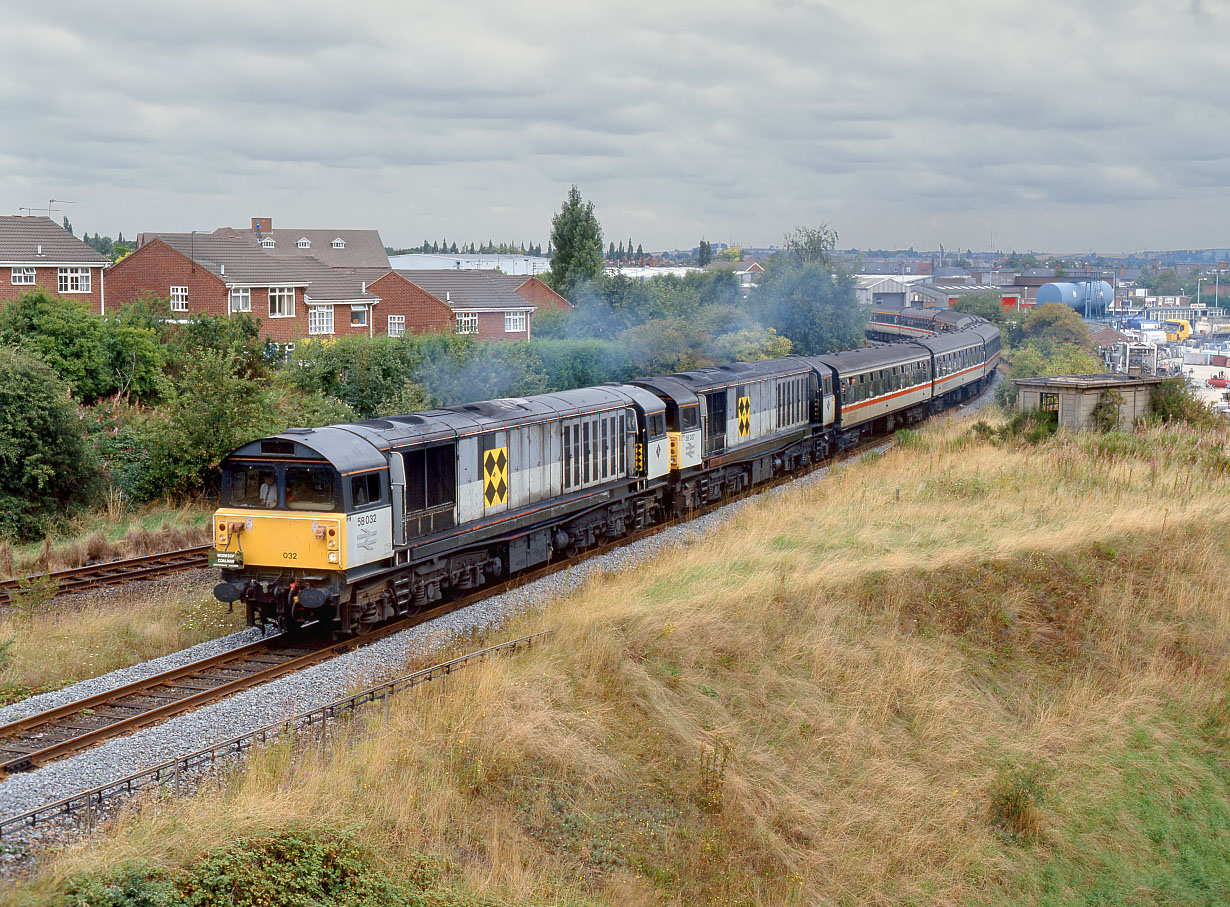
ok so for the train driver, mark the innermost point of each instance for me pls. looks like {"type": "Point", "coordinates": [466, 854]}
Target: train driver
{"type": "Point", "coordinates": [269, 490]}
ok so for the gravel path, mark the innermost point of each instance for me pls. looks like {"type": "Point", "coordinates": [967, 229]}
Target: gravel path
{"type": "Point", "coordinates": [313, 686]}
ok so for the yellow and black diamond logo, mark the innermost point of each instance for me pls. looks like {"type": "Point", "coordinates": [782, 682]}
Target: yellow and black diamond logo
{"type": "Point", "coordinates": [744, 409]}
{"type": "Point", "coordinates": [495, 476]}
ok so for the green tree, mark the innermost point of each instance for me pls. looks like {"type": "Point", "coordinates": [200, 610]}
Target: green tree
{"type": "Point", "coordinates": [216, 411]}
{"type": "Point", "coordinates": [704, 254]}
{"type": "Point", "coordinates": [97, 356]}
{"type": "Point", "coordinates": [46, 467]}
{"type": "Point", "coordinates": [1057, 323]}
{"type": "Point", "coordinates": [984, 305]}
{"type": "Point", "coordinates": [812, 305]}
{"type": "Point", "coordinates": [576, 237]}
{"type": "Point", "coordinates": [811, 244]}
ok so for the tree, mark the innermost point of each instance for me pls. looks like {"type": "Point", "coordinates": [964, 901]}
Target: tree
{"type": "Point", "coordinates": [68, 226]}
{"type": "Point", "coordinates": [1056, 323]}
{"type": "Point", "coordinates": [46, 467]}
{"type": "Point", "coordinates": [811, 244]}
{"type": "Point", "coordinates": [984, 305]}
{"type": "Point", "coordinates": [640, 254]}
{"type": "Point", "coordinates": [704, 254]}
{"type": "Point", "coordinates": [810, 304]}
{"type": "Point", "coordinates": [576, 237]}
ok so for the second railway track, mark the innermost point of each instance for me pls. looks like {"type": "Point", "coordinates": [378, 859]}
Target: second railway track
{"type": "Point", "coordinates": [78, 579]}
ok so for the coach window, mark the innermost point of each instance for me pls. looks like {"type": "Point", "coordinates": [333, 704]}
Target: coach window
{"type": "Point", "coordinates": [567, 457]}
{"type": "Point", "coordinates": [585, 457]}
{"type": "Point", "coordinates": [365, 489]}
{"type": "Point", "coordinates": [606, 446]}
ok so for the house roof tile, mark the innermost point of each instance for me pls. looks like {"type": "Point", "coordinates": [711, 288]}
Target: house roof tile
{"type": "Point", "coordinates": [21, 236]}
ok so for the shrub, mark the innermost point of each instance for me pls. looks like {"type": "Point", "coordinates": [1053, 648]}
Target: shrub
{"type": "Point", "coordinates": [1016, 801]}
{"type": "Point", "coordinates": [1172, 401]}
{"type": "Point", "coordinates": [46, 467]}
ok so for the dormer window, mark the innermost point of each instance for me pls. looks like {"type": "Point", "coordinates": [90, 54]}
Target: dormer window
{"type": "Point", "coordinates": [268, 242]}
{"type": "Point", "coordinates": [304, 243]}
{"type": "Point", "coordinates": [339, 244]}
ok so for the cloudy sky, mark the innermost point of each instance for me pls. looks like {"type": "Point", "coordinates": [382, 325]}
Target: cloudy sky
{"type": "Point", "coordinates": [1049, 124]}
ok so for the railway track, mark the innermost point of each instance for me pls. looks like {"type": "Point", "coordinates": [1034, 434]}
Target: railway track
{"type": "Point", "coordinates": [48, 736]}
{"type": "Point", "coordinates": [78, 579]}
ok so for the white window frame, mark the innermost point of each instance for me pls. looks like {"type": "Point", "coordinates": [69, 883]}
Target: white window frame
{"type": "Point", "coordinates": [268, 242]}
{"type": "Point", "coordinates": [514, 322]}
{"type": "Point", "coordinates": [304, 243]}
{"type": "Point", "coordinates": [24, 277]}
{"type": "Point", "coordinates": [74, 280]}
{"type": "Point", "coordinates": [397, 325]}
{"type": "Point", "coordinates": [466, 322]}
{"type": "Point", "coordinates": [320, 319]}
{"type": "Point", "coordinates": [241, 299]}
{"type": "Point", "coordinates": [339, 243]}
{"type": "Point", "coordinates": [179, 298]}
{"type": "Point", "coordinates": [282, 294]}
{"type": "Point", "coordinates": [360, 310]}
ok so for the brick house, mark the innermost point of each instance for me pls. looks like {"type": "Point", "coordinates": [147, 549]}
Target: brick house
{"type": "Point", "coordinates": [483, 303]}
{"type": "Point", "coordinates": [533, 290]}
{"type": "Point", "coordinates": [294, 296]}
{"type": "Point", "coordinates": [37, 253]}
{"type": "Point", "coordinates": [335, 248]}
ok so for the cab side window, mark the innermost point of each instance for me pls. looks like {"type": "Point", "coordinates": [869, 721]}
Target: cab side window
{"type": "Point", "coordinates": [365, 489]}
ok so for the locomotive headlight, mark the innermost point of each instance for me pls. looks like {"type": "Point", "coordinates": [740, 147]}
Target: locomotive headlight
{"type": "Point", "coordinates": [332, 557]}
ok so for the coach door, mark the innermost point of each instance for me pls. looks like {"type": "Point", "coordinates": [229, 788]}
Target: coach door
{"type": "Point", "coordinates": [715, 415]}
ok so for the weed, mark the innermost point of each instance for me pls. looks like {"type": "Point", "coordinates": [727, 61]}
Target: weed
{"type": "Point", "coordinates": [1015, 803]}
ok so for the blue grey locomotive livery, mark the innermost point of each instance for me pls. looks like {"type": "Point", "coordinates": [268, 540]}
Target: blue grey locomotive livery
{"type": "Point", "coordinates": [354, 524]}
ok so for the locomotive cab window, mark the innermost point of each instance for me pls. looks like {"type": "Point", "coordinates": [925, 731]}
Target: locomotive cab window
{"type": "Point", "coordinates": [689, 417]}
{"type": "Point", "coordinates": [251, 485]}
{"type": "Point", "coordinates": [365, 489]}
{"type": "Point", "coordinates": [310, 488]}
{"type": "Point", "coordinates": [657, 425]}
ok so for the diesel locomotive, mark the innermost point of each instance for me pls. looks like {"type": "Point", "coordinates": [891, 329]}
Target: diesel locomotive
{"type": "Point", "coordinates": [352, 525]}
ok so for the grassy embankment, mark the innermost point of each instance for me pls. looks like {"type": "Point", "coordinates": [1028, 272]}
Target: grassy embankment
{"type": "Point", "coordinates": [48, 643]}
{"type": "Point", "coordinates": [104, 535]}
{"type": "Point", "coordinates": [958, 673]}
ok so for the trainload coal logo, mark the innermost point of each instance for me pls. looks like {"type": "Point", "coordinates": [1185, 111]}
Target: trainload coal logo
{"type": "Point", "coordinates": [495, 476]}
{"type": "Point", "coordinates": [744, 410]}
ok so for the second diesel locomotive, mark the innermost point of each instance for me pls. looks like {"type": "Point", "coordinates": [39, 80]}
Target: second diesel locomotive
{"type": "Point", "coordinates": [354, 524]}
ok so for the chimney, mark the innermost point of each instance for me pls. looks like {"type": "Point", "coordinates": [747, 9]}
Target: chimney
{"type": "Point", "coordinates": [262, 224]}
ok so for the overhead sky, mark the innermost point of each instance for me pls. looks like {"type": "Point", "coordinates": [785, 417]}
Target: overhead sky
{"type": "Point", "coordinates": [1064, 125]}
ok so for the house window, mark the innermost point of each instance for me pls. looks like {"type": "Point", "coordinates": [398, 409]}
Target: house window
{"type": "Point", "coordinates": [338, 244]}
{"type": "Point", "coordinates": [281, 302]}
{"type": "Point", "coordinates": [304, 244]}
{"type": "Point", "coordinates": [1050, 402]}
{"type": "Point", "coordinates": [358, 316]}
{"type": "Point", "coordinates": [514, 321]}
{"type": "Point", "coordinates": [241, 299]}
{"type": "Point", "coordinates": [467, 322]}
{"type": "Point", "coordinates": [179, 299]}
{"type": "Point", "coordinates": [74, 280]}
{"type": "Point", "coordinates": [320, 319]}
{"type": "Point", "coordinates": [268, 242]}
{"type": "Point", "coordinates": [23, 277]}
{"type": "Point", "coordinates": [397, 325]}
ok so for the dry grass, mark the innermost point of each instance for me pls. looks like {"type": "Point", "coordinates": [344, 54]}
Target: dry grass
{"type": "Point", "coordinates": [102, 537]}
{"type": "Point", "coordinates": [926, 679]}
{"type": "Point", "coordinates": [45, 647]}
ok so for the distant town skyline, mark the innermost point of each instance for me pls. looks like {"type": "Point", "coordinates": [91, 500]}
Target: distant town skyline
{"type": "Point", "coordinates": [1044, 125]}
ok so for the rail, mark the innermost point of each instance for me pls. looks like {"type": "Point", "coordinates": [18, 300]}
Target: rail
{"type": "Point", "coordinates": [76, 579]}
{"type": "Point", "coordinates": [173, 772]}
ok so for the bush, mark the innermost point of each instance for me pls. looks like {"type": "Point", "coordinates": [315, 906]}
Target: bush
{"type": "Point", "coordinates": [1173, 401]}
{"type": "Point", "coordinates": [1016, 801]}
{"type": "Point", "coordinates": [46, 467]}
{"type": "Point", "coordinates": [97, 356]}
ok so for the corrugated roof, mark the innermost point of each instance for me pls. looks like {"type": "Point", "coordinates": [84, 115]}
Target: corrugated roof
{"type": "Point", "coordinates": [240, 261]}
{"type": "Point", "coordinates": [20, 237]}
{"type": "Point", "coordinates": [489, 291]}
